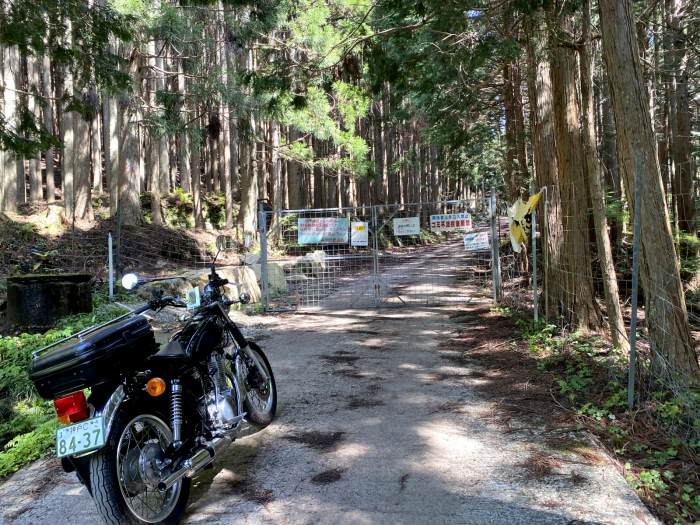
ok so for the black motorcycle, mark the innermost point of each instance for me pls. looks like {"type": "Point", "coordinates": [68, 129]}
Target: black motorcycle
{"type": "Point", "coordinates": [155, 417]}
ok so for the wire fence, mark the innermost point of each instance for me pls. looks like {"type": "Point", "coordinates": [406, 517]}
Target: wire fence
{"type": "Point", "coordinates": [38, 243]}
{"type": "Point", "coordinates": [640, 296]}
{"type": "Point", "coordinates": [357, 257]}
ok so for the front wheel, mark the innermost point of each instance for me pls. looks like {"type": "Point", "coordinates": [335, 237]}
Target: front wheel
{"type": "Point", "coordinates": [124, 474]}
{"type": "Point", "coordinates": [261, 400]}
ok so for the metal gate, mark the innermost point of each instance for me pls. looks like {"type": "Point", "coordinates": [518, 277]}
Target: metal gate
{"type": "Point", "coordinates": [373, 256]}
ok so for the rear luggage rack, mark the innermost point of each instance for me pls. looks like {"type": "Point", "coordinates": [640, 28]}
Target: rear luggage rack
{"type": "Point", "coordinates": [83, 333]}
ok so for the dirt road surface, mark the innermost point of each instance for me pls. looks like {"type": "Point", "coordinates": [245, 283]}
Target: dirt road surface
{"type": "Point", "coordinates": [375, 426]}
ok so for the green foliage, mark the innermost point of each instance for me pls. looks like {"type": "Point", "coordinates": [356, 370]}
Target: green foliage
{"type": "Point", "coordinates": [27, 447]}
{"type": "Point", "coordinates": [438, 72]}
{"type": "Point", "coordinates": [688, 248]}
{"type": "Point", "coordinates": [317, 116]}
{"type": "Point", "coordinates": [25, 419]}
{"type": "Point", "coordinates": [214, 209]}
{"type": "Point", "coordinates": [615, 209]}
{"type": "Point", "coordinates": [539, 335]}
{"type": "Point", "coordinates": [179, 208]}
{"type": "Point", "coordinates": [321, 29]}
{"type": "Point", "coordinates": [352, 102]}
{"type": "Point", "coordinates": [649, 480]}
{"type": "Point", "coordinates": [40, 28]}
{"type": "Point", "coordinates": [298, 151]}
{"type": "Point", "coordinates": [504, 311]}
{"type": "Point", "coordinates": [655, 442]}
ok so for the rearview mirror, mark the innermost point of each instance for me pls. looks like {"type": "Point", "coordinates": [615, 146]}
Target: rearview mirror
{"type": "Point", "coordinates": [130, 280]}
{"type": "Point", "coordinates": [225, 243]}
{"type": "Point", "coordinates": [244, 298]}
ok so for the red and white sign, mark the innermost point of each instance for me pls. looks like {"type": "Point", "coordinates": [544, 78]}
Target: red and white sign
{"type": "Point", "coordinates": [451, 222]}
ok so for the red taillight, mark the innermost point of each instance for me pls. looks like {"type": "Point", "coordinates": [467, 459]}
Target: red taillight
{"type": "Point", "coordinates": [72, 408]}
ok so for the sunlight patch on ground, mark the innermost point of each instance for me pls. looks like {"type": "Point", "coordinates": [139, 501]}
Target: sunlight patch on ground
{"type": "Point", "coordinates": [352, 450]}
{"type": "Point", "coordinates": [446, 444]}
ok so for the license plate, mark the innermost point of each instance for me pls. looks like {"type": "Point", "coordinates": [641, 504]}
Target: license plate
{"type": "Point", "coordinates": [81, 437]}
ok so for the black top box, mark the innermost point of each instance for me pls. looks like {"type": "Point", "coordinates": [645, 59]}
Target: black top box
{"type": "Point", "coordinates": [95, 358]}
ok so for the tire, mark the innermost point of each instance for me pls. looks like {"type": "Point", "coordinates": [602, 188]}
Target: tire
{"type": "Point", "coordinates": [258, 415]}
{"type": "Point", "coordinates": [105, 486]}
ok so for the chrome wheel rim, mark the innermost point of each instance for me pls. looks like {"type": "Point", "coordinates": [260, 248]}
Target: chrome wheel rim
{"type": "Point", "coordinates": [141, 444]}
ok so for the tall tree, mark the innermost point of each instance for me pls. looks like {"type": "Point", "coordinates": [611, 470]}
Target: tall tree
{"type": "Point", "coordinates": [13, 171]}
{"type": "Point", "coordinates": [48, 122]}
{"type": "Point", "coordinates": [545, 160]}
{"type": "Point", "coordinates": [578, 283]}
{"type": "Point", "coordinates": [595, 183]}
{"type": "Point", "coordinates": [673, 350]}
{"type": "Point", "coordinates": [677, 73]}
{"type": "Point", "coordinates": [33, 89]}
{"type": "Point", "coordinates": [129, 158]}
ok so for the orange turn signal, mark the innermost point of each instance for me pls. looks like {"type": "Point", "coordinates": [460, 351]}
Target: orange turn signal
{"type": "Point", "coordinates": [155, 386]}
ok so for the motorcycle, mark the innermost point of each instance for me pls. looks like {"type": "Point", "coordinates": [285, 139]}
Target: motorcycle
{"type": "Point", "coordinates": [155, 417]}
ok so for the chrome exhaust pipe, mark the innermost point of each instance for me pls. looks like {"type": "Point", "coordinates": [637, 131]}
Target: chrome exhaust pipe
{"type": "Point", "coordinates": [200, 459]}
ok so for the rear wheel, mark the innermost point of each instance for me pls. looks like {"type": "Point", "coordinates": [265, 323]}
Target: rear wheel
{"type": "Point", "coordinates": [124, 474]}
{"type": "Point", "coordinates": [261, 399]}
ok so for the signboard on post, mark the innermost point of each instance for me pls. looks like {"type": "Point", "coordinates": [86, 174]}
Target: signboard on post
{"type": "Point", "coordinates": [407, 226]}
{"type": "Point", "coordinates": [477, 242]}
{"type": "Point", "coordinates": [451, 222]}
{"type": "Point", "coordinates": [359, 233]}
{"type": "Point", "coordinates": [323, 230]}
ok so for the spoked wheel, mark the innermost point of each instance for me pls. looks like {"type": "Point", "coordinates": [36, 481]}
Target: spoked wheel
{"type": "Point", "coordinates": [125, 475]}
{"type": "Point", "coordinates": [261, 400]}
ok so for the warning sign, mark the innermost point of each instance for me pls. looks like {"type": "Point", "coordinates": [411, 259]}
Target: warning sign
{"type": "Point", "coordinates": [451, 222]}
{"type": "Point", "coordinates": [323, 230]}
{"type": "Point", "coordinates": [477, 242]}
{"type": "Point", "coordinates": [407, 226]}
{"type": "Point", "coordinates": [359, 234]}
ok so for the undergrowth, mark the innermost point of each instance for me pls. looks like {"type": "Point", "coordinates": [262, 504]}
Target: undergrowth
{"type": "Point", "coordinates": [658, 442]}
{"type": "Point", "coordinates": [27, 422]}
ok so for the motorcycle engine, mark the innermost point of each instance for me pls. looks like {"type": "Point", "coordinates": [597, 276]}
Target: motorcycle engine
{"type": "Point", "coordinates": [221, 402]}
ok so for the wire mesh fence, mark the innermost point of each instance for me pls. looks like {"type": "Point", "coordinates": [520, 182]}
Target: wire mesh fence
{"type": "Point", "coordinates": [588, 290]}
{"type": "Point", "coordinates": [385, 255]}
{"type": "Point", "coordinates": [37, 243]}
{"type": "Point", "coordinates": [30, 244]}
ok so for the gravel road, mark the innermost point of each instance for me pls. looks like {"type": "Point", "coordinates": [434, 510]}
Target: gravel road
{"type": "Point", "coordinates": [363, 437]}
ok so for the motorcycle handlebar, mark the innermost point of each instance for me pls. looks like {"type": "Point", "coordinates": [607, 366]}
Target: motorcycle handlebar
{"type": "Point", "coordinates": [157, 304]}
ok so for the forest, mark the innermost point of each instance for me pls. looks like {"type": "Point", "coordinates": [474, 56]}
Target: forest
{"type": "Point", "coordinates": [329, 104]}
{"type": "Point", "coordinates": [158, 111]}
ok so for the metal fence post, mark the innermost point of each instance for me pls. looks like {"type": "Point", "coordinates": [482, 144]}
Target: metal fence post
{"type": "Point", "coordinates": [535, 298]}
{"type": "Point", "coordinates": [110, 261]}
{"type": "Point", "coordinates": [545, 251]}
{"type": "Point", "coordinates": [495, 255]}
{"type": "Point", "coordinates": [262, 226]}
{"type": "Point", "coordinates": [375, 257]}
{"type": "Point", "coordinates": [635, 282]}
{"type": "Point", "coordinates": [118, 249]}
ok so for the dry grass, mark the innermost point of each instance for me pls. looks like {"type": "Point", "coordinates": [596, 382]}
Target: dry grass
{"type": "Point", "coordinates": [540, 465]}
